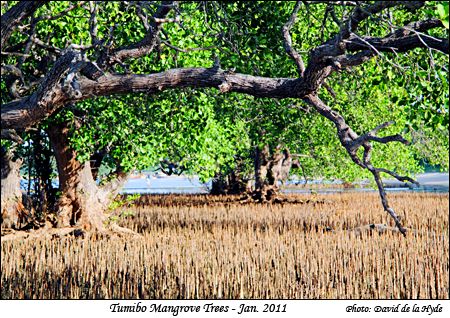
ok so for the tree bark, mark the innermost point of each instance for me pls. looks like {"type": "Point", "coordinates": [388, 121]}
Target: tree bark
{"type": "Point", "coordinates": [30, 110]}
{"type": "Point", "coordinates": [233, 183]}
{"type": "Point", "coordinates": [11, 195]}
{"type": "Point", "coordinates": [82, 203]}
{"type": "Point", "coordinates": [270, 170]}
{"type": "Point", "coordinates": [44, 194]}
{"type": "Point", "coordinates": [14, 16]}
{"type": "Point", "coordinates": [261, 163]}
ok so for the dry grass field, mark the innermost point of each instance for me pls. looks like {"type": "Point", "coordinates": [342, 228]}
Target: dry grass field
{"type": "Point", "coordinates": [212, 247]}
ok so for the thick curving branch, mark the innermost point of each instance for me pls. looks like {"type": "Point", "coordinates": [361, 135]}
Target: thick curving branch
{"type": "Point", "coordinates": [52, 92]}
{"type": "Point", "coordinates": [325, 59]}
{"type": "Point", "coordinates": [336, 46]}
{"type": "Point", "coordinates": [32, 109]}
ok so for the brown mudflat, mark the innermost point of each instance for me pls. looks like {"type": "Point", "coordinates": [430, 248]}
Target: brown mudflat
{"type": "Point", "coordinates": [215, 247]}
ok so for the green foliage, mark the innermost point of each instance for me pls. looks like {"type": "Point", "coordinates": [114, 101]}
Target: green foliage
{"type": "Point", "coordinates": [127, 200]}
{"type": "Point", "coordinates": [119, 202]}
{"type": "Point", "coordinates": [178, 126]}
{"type": "Point", "coordinates": [207, 132]}
{"type": "Point", "coordinates": [442, 12]}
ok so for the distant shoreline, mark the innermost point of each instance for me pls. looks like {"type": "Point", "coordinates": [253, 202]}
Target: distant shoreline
{"type": "Point", "coordinates": [158, 184]}
{"type": "Point", "coordinates": [429, 182]}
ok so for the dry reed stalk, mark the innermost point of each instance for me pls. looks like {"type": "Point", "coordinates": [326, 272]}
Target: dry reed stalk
{"type": "Point", "coordinates": [191, 249]}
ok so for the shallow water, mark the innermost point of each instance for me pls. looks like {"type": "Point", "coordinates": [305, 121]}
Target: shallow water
{"type": "Point", "coordinates": [430, 182]}
{"type": "Point", "coordinates": [437, 189]}
{"type": "Point", "coordinates": [166, 185]}
{"type": "Point", "coordinates": [193, 185]}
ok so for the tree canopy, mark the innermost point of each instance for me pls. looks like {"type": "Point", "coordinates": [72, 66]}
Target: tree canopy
{"type": "Point", "coordinates": [200, 85]}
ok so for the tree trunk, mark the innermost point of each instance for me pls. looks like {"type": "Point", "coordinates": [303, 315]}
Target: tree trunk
{"type": "Point", "coordinates": [261, 165]}
{"type": "Point", "coordinates": [233, 183]}
{"type": "Point", "coordinates": [219, 185]}
{"type": "Point", "coordinates": [270, 170]}
{"type": "Point", "coordinates": [262, 191]}
{"type": "Point", "coordinates": [82, 202]}
{"type": "Point", "coordinates": [11, 195]}
{"type": "Point", "coordinates": [43, 197]}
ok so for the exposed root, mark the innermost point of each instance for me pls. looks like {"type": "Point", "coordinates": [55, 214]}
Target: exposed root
{"type": "Point", "coordinates": [44, 232]}
{"type": "Point", "coordinates": [376, 228]}
{"type": "Point", "coordinates": [372, 229]}
{"type": "Point", "coordinates": [268, 194]}
{"type": "Point", "coordinates": [275, 198]}
{"type": "Point", "coordinates": [123, 231]}
{"type": "Point", "coordinates": [50, 232]}
{"type": "Point", "coordinates": [12, 235]}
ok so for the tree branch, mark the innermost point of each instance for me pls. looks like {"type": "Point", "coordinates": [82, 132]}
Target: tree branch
{"type": "Point", "coordinates": [371, 136]}
{"type": "Point", "coordinates": [346, 61]}
{"type": "Point", "coordinates": [40, 43]}
{"type": "Point", "coordinates": [402, 44]}
{"type": "Point", "coordinates": [146, 45]}
{"type": "Point", "coordinates": [398, 177]}
{"type": "Point", "coordinates": [14, 16]}
{"type": "Point", "coordinates": [361, 13]}
{"type": "Point", "coordinates": [351, 142]}
{"type": "Point", "coordinates": [93, 28]}
{"type": "Point", "coordinates": [49, 96]}
{"type": "Point", "coordinates": [384, 200]}
{"type": "Point", "coordinates": [34, 108]}
{"type": "Point", "coordinates": [287, 40]}
{"type": "Point", "coordinates": [60, 14]}
{"type": "Point", "coordinates": [335, 46]}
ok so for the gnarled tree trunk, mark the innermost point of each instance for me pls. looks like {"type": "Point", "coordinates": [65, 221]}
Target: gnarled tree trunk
{"type": "Point", "coordinates": [82, 203]}
{"type": "Point", "coordinates": [11, 200]}
{"type": "Point", "coordinates": [270, 170]}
